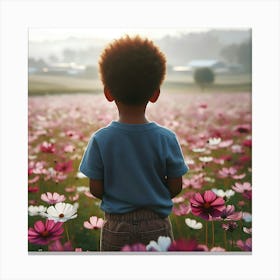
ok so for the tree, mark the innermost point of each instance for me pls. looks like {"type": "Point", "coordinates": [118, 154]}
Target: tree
{"type": "Point", "coordinates": [204, 76]}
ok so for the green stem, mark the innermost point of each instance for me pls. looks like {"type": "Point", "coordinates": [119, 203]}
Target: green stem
{"type": "Point", "coordinates": [213, 234]}
{"type": "Point", "coordinates": [66, 230]}
{"type": "Point", "coordinates": [206, 233]}
{"type": "Point", "coordinates": [225, 239]}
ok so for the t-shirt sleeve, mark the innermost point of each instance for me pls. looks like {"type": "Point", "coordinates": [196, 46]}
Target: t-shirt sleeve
{"type": "Point", "coordinates": [176, 166]}
{"type": "Point", "coordinates": [91, 164]}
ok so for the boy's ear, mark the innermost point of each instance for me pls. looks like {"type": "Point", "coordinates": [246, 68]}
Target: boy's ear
{"type": "Point", "coordinates": [155, 96]}
{"type": "Point", "coordinates": [108, 94]}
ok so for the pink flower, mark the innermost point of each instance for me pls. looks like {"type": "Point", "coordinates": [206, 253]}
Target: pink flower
{"type": "Point", "coordinates": [229, 214]}
{"type": "Point", "coordinates": [69, 148]}
{"type": "Point", "coordinates": [185, 245]}
{"type": "Point", "coordinates": [245, 245]}
{"type": "Point", "coordinates": [65, 167]}
{"type": "Point", "coordinates": [52, 198]}
{"type": "Point", "coordinates": [33, 189]}
{"type": "Point", "coordinates": [94, 223]}
{"type": "Point", "coordinates": [241, 188]}
{"type": "Point", "coordinates": [181, 210]}
{"type": "Point", "coordinates": [46, 147]}
{"type": "Point", "coordinates": [247, 143]}
{"type": "Point", "coordinates": [227, 172]}
{"type": "Point", "coordinates": [231, 226]}
{"type": "Point", "coordinates": [57, 246]}
{"type": "Point", "coordinates": [43, 233]}
{"type": "Point", "coordinates": [207, 205]}
{"type": "Point", "coordinates": [138, 247]}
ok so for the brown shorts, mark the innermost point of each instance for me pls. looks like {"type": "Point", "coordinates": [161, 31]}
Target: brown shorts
{"type": "Point", "coordinates": [140, 226]}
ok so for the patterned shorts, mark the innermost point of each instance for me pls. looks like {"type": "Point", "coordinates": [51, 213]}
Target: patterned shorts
{"type": "Point", "coordinates": [140, 226]}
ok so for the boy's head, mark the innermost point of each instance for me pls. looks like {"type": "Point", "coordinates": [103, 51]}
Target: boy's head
{"type": "Point", "coordinates": [132, 69]}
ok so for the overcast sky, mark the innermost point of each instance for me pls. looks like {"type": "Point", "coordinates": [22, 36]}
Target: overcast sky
{"type": "Point", "coordinates": [40, 34]}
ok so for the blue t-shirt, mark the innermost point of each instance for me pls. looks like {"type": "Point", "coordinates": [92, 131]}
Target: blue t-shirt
{"type": "Point", "coordinates": [133, 160]}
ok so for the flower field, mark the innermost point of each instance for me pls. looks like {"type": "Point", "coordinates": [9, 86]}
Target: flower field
{"type": "Point", "coordinates": [213, 211]}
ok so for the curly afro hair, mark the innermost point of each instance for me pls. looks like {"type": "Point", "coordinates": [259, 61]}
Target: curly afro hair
{"type": "Point", "coordinates": [132, 68]}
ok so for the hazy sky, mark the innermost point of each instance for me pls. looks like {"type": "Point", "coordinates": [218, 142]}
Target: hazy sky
{"type": "Point", "coordinates": [40, 34]}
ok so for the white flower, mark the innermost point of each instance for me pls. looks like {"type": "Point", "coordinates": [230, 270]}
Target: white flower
{"type": "Point", "coordinates": [62, 212]}
{"type": "Point", "coordinates": [205, 159]}
{"type": "Point", "coordinates": [161, 245]}
{"type": "Point", "coordinates": [222, 193]}
{"type": "Point", "coordinates": [210, 180]}
{"type": "Point", "coordinates": [247, 230]}
{"type": "Point", "coordinates": [36, 210]}
{"type": "Point", "coordinates": [193, 224]}
{"type": "Point", "coordinates": [82, 189]}
{"type": "Point", "coordinates": [198, 150]}
{"type": "Point", "coordinates": [214, 141]}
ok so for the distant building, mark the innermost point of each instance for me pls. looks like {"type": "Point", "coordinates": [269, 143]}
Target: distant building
{"type": "Point", "coordinates": [216, 65]}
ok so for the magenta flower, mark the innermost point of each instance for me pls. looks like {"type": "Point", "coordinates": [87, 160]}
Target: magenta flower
{"type": "Point", "coordinates": [207, 205]}
{"type": "Point", "coordinates": [46, 147]}
{"type": "Point", "coordinates": [33, 189]}
{"type": "Point", "coordinates": [138, 247]}
{"type": "Point", "coordinates": [58, 246]}
{"type": "Point", "coordinates": [229, 214]}
{"type": "Point", "coordinates": [52, 198]}
{"type": "Point", "coordinates": [185, 245]}
{"type": "Point", "coordinates": [94, 223]}
{"type": "Point", "coordinates": [245, 245]}
{"type": "Point", "coordinates": [65, 167]}
{"type": "Point", "coordinates": [44, 233]}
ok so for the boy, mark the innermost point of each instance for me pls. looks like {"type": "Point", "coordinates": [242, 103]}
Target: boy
{"type": "Point", "coordinates": [134, 166]}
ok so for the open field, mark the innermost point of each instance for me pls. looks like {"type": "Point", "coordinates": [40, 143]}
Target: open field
{"type": "Point", "coordinates": [48, 84]}
{"type": "Point", "coordinates": [215, 136]}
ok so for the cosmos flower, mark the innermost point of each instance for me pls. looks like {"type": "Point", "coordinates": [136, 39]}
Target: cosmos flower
{"type": "Point", "coordinates": [229, 214]}
{"type": "Point", "coordinates": [207, 205]}
{"type": "Point", "coordinates": [61, 212]}
{"type": "Point", "coordinates": [230, 226]}
{"type": "Point", "coordinates": [138, 247]}
{"type": "Point", "coordinates": [52, 198]}
{"type": "Point", "coordinates": [241, 188]}
{"type": "Point", "coordinates": [181, 209]}
{"type": "Point", "coordinates": [94, 223]}
{"type": "Point", "coordinates": [34, 210]}
{"type": "Point", "coordinates": [46, 147]}
{"type": "Point", "coordinates": [161, 245]}
{"type": "Point", "coordinates": [247, 230]}
{"type": "Point", "coordinates": [64, 167]}
{"type": "Point", "coordinates": [245, 245]}
{"type": "Point", "coordinates": [214, 141]}
{"type": "Point", "coordinates": [58, 246]}
{"type": "Point", "coordinates": [193, 224]}
{"type": "Point", "coordinates": [205, 159]}
{"type": "Point", "coordinates": [227, 172]}
{"type": "Point", "coordinates": [185, 245]}
{"type": "Point", "coordinates": [43, 233]}
{"type": "Point", "coordinates": [198, 150]}
{"type": "Point", "coordinates": [224, 194]}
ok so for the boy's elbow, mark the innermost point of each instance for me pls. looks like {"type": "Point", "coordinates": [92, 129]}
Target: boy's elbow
{"type": "Point", "coordinates": [174, 185]}
{"type": "Point", "coordinates": [96, 188]}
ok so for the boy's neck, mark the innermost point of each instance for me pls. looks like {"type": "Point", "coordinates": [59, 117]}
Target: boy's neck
{"type": "Point", "coordinates": [132, 114]}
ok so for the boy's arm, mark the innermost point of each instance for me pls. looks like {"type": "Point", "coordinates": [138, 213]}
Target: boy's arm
{"type": "Point", "coordinates": [174, 186]}
{"type": "Point", "coordinates": [96, 187]}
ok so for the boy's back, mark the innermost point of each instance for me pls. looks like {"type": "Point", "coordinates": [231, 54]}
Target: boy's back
{"type": "Point", "coordinates": [134, 160]}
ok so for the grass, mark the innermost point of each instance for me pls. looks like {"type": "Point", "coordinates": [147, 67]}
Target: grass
{"type": "Point", "coordinates": [56, 84]}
